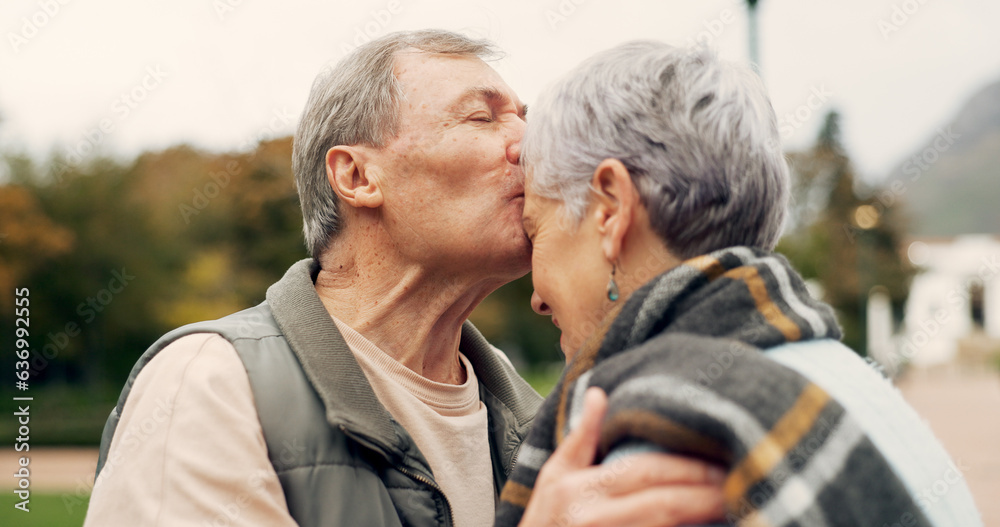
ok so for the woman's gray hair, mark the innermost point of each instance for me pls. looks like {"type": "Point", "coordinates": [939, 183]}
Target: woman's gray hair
{"type": "Point", "coordinates": [698, 136]}
{"type": "Point", "coordinates": [357, 103]}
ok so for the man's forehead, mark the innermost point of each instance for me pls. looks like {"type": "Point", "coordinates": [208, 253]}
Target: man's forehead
{"type": "Point", "coordinates": [452, 79]}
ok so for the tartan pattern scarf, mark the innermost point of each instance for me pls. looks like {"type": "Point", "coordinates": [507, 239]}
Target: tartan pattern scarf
{"type": "Point", "coordinates": [682, 365]}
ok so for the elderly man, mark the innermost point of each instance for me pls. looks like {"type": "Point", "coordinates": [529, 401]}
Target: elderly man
{"type": "Point", "coordinates": [358, 394]}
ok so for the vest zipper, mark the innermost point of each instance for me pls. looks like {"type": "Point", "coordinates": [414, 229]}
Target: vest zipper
{"type": "Point", "coordinates": [430, 483]}
{"type": "Point", "coordinates": [513, 459]}
{"type": "Point", "coordinates": [412, 475]}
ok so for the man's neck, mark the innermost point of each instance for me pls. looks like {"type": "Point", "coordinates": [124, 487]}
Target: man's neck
{"type": "Point", "coordinates": [408, 311]}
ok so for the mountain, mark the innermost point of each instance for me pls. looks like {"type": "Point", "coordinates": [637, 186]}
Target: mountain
{"type": "Point", "coordinates": [951, 185]}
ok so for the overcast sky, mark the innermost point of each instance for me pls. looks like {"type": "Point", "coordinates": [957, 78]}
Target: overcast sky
{"type": "Point", "coordinates": [221, 73]}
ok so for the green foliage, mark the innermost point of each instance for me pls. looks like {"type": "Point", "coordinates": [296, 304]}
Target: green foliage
{"type": "Point", "coordinates": [505, 318]}
{"type": "Point", "coordinates": [61, 414]}
{"type": "Point", "coordinates": [846, 240]}
{"type": "Point", "coordinates": [543, 379]}
{"type": "Point", "coordinates": [117, 253]}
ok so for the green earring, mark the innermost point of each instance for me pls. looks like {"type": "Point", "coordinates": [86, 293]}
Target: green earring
{"type": "Point", "coordinates": [612, 286]}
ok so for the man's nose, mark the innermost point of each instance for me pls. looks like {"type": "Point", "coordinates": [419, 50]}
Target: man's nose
{"type": "Point", "coordinates": [539, 305]}
{"type": "Point", "coordinates": [514, 148]}
{"type": "Point", "coordinates": [514, 152]}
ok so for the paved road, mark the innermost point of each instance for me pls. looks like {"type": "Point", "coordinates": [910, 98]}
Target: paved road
{"type": "Point", "coordinates": [58, 470]}
{"type": "Point", "coordinates": [962, 407]}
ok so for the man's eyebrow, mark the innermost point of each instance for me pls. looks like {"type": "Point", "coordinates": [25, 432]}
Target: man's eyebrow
{"type": "Point", "coordinates": [492, 96]}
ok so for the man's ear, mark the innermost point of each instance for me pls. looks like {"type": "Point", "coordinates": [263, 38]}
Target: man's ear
{"type": "Point", "coordinates": [616, 200]}
{"type": "Point", "coordinates": [354, 183]}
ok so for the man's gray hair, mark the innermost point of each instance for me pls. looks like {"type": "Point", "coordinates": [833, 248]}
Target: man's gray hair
{"type": "Point", "coordinates": [698, 136]}
{"type": "Point", "coordinates": [357, 103]}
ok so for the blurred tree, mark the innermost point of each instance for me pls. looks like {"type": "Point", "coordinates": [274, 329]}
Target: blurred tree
{"type": "Point", "coordinates": [117, 253]}
{"type": "Point", "coordinates": [29, 238]}
{"type": "Point", "coordinates": [507, 320]}
{"type": "Point", "coordinates": [848, 243]}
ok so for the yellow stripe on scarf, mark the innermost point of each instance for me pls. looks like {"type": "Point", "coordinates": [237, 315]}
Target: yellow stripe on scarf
{"type": "Point", "coordinates": [766, 454]}
{"type": "Point", "coordinates": [582, 363]}
{"type": "Point", "coordinates": [516, 494]}
{"type": "Point", "coordinates": [708, 266]}
{"type": "Point", "coordinates": [772, 313]}
{"type": "Point", "coordinates": [659, 430]}
{"type": "Point", "coordinates": [584, 360]}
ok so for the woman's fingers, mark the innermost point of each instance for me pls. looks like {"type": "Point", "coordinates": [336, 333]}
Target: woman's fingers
{"type": "Point", "coordinates": [649, 489]}
{"type": "Point", "coordinates": [579, 447]}
{"type": "Point", "coordinates": [661, 506]}
{"type": "Point", "coordinates": [638, 471]}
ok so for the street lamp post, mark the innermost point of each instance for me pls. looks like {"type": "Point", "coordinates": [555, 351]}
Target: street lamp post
{"type": "Point", "coordinates": [753, 33]}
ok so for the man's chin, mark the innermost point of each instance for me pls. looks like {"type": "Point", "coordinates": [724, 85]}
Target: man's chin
{"type": "Point", "coordinates": [520, 260]}
{"type": "Point", "coordinates": [519, 267]}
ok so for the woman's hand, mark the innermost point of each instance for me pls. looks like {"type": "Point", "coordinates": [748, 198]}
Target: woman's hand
{"type": "Point", "coordinates": [641, 490]}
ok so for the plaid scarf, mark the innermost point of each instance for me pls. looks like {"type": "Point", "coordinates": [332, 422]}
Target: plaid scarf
{"type": "Point", "coordinates": [682, 365]}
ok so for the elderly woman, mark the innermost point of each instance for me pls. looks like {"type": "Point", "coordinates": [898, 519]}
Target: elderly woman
{"type": "Point", "coordinates": [655, 193]}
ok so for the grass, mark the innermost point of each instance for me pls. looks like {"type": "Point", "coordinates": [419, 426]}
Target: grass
{"type": "Point", "coordinates": [61, 415]}
{"type": "Point", "coordinates": [44, 510]}
{"type": "Point", "coordinates": [543, 380]}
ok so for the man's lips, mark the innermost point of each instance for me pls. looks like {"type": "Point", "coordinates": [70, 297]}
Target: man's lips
{"type": "Point", "coordinates": [516, 192]}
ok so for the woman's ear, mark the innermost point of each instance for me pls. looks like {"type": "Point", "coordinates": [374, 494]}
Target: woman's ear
{"type": "Point", "coordinates": [355, 183]}
{"type": "Point", "coordinates": [616, 202]}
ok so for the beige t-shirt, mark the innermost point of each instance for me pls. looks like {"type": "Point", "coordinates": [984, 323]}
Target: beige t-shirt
{"type": "Point", "coordinates": [448, 422]}
{"type": "Point", "coordinates": [166, 467]}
